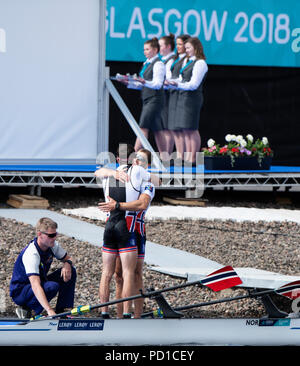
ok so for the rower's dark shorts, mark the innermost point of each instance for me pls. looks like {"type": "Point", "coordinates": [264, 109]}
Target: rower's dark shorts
{"type": "Point", "coordinates": [117, 239]}
{"type": "Point", "coordinates": [141, 245]}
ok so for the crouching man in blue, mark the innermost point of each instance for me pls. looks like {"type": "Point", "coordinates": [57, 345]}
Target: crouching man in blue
{"type": "Point", "coordinates": [31, 288]}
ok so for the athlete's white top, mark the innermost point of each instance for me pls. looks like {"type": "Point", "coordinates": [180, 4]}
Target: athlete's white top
{"type": "Point", "coordinates": [149, 189]}
{"type": "Point", "coordinates": [138, 176]}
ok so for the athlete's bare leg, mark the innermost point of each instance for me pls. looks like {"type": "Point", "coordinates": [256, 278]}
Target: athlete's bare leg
{"type": "Point", "coordinates": [138, 303]}
{"type": "Point", "coordinates": [119, 287]}
{"type": "Point", "coordinates": [128, 261]}
{"type": "Point", "coordinates": [108, 269]}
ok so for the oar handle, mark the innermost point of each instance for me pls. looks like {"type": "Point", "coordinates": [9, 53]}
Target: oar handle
{"type": "Point", "coordinates": [87, 308]}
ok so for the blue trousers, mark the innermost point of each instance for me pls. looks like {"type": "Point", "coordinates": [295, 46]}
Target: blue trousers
{"type": "Point", "coordinates": [54, 284]}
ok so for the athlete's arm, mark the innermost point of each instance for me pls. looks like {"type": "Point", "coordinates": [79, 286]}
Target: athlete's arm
{"type": "Point", "coordinates": [66, 271]}
{"type": "Point", "coordinates": [155, 180]}
{"type": "Point", "coordinates": [117, 174]}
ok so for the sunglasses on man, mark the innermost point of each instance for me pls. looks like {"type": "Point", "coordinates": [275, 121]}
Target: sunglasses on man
{"type": "Point", "coordinates": [52, 235]}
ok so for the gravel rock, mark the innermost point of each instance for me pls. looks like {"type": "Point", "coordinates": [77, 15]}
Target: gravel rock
{"type": "Point", "coordinates": [269, 246]}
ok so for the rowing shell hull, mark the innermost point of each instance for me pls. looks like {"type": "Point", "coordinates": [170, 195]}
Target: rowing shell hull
{"type": "Point", "coordinates": [129, 332]}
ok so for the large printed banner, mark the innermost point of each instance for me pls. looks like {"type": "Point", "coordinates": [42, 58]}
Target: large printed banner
{"type": "Point", "coordinates": [233, 32]}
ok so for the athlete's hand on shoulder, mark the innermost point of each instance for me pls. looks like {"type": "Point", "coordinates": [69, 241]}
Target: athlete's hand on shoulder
{"type": "Point", "coordinates": [121, 176]}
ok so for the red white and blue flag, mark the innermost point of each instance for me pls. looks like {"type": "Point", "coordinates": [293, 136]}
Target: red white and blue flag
{"type": "Point", "coordinates": [131, 221]}
{"type": "Point", "coordinates": [222, 279]}
{"type": "Point", "coordinates": [290, 290]}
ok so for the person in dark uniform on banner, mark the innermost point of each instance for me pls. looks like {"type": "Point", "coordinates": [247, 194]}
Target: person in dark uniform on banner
{"type": "Point", "coordinates": [172, 72]}
{"type": "Point", "coordinates": [167, 55]}
{"type": "Point", "coordinates": [190, 97]}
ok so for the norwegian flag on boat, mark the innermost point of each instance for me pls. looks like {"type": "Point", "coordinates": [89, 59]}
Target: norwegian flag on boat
{"type": "Point", "coordinates": [222, 279]}
{"type": "Point", "coordinates": [290, 290]}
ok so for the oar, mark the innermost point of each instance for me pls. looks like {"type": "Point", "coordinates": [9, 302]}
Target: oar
{"type": "Point", "coordinates": [290, 290]}
{"type": "Point", "coordinates": [218, 280]}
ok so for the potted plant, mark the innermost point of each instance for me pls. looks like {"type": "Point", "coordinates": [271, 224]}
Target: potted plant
{"type": "Point", "coordinates": [238, 153]}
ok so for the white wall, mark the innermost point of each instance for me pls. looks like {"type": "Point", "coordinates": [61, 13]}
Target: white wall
{"type": "Point", "coordinates": [49, 79]}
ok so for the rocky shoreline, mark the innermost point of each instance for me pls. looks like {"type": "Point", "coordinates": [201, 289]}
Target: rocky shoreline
{"type": "Point", "coordinates": [269, 246]}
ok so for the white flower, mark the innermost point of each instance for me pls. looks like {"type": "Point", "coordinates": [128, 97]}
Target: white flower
{"type": "Point", "coordinates": [250, 138]}
{"type": "Point", "coordinates": [211, 143]}
{"type": "Point", "coordinates": [228, 137]}
{"type": "Point", "coordinates": [265, 141]}
{"type": "Point", "coordinates": [239, 138]}
{"type": "Point", "coordinates": [243, 142]}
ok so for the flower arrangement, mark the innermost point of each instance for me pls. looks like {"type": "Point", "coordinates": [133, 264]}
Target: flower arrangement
{"type": "Point", "coordinates": [238, 146]}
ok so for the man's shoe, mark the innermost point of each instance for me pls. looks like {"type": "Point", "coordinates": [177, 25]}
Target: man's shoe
{"type": "Point", "coordinates": [23, 312]}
